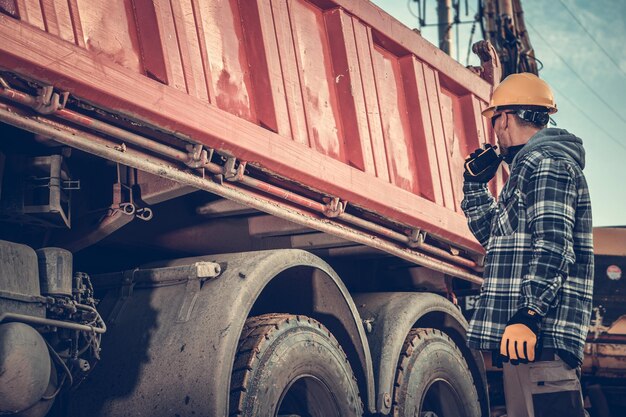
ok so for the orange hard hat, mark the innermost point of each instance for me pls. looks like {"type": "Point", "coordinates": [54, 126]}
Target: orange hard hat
{"type": "Point", "coordinates": [525, 89]}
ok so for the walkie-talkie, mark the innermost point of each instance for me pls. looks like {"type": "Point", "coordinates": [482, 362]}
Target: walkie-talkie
{"type": "Point", "coordinates": [486, 159]}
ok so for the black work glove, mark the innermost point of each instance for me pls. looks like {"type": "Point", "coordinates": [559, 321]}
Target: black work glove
{"type": "Point", "coordinates": [486, 166]}
{"type": "Point", "coordinates": [519, 340]}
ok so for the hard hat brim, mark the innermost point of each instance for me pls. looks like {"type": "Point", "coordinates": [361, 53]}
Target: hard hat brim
{"type": "Point", "coordinates": [489, 111]}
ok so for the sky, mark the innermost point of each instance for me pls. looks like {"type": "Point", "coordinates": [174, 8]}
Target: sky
{"type": "Point", "coordinates": [588, 81]}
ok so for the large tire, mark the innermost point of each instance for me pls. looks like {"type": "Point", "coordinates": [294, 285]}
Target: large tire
{"type": "Point", "coordinates": [291, 365]}
{"type": "Point", "coordinates": [432, 378]}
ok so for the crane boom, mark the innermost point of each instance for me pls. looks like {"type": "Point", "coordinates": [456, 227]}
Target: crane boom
{"type": "Point", "coordinates": [502, 24]}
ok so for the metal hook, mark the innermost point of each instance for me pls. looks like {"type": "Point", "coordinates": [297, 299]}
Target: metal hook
{"type": "Point", "coordinates": [128, 208]}
{"type": "Point", "coordinates": [144, 214]}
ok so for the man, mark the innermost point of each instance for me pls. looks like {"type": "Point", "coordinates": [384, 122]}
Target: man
{"type": "Point", "coordinates": [535, 303]}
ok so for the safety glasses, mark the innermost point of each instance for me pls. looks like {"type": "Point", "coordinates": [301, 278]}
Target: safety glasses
{"type": "Point", "coordinates": [495, 117]}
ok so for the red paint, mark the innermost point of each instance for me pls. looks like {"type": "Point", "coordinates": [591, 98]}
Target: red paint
{"type": "Point", "coordinates": [421, 130]}
{"type": "Point", "coordinates": [317, 81]}
{"type": "Point", "coordinates": [152, 53]}
{"type": "Point", "coordinates": [334, 95]}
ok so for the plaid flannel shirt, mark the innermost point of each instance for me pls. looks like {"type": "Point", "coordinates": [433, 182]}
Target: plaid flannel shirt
{"type": "Point", "coordinates": [538, 238]}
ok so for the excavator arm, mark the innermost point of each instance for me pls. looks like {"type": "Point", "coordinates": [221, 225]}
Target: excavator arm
{"type": "Point", "coordinates": [502, 24]}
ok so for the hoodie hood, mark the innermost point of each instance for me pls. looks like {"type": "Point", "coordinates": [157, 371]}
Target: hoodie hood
{"type": "Point", "coordinates": [557, 140]}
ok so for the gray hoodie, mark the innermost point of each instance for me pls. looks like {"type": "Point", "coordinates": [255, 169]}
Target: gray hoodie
{"type": "Point", "coordinates": [558, 141]}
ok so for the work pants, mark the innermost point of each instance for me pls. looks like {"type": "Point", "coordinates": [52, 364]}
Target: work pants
{"type": "Point", "coordinates": [545, 388]}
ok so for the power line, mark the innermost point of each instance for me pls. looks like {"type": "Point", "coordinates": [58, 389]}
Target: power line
{"type": "Point", "coordinates": [408, 5]}
{"type": "Point", "coordinates": [596, 124]}
{"type": "Point", "coordinates": [592, 38]}
{"type": "Point", "coordinates": [576, 74]}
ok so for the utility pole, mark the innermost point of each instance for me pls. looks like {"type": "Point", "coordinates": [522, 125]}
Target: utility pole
{"type": "Point", "coordinates": [444, 13]}
{"type": "Point", "coordinates": [506, 8]}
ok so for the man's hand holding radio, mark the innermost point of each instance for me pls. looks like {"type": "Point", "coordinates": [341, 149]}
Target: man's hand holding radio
{"type": "Point", "coordinates": [482, 164]}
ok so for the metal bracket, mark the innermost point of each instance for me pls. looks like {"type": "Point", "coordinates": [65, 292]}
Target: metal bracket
{"type": "Point", "coordinates": [49, 182]}
{"type": "Point", "coordinates": [230, 172]}
{"type": "Point", "coordinates": [198, 156]}
{"type": "Point", "coordinates": [126, 291]}
{"type": "Point", "coordinates": [368, 324]}
{"type": "Point", "coordinates": [416, 238]}
{"type": "Point", "coordinates": [196, 274]}
{"type": "Point", "coordinates": [334, 207]}
{"type": "Point", "coordinates": [49, 102]}
{"type": "Point", "coordinates": [239, 173]}
{"type": "Point", "coordinates": [120, 191]}
{"type": "Point", "coordinates": [144, 213]}
{"type": "Point", "coordinates": [72, 185]}
{"type": "Point", "coordinates": [127, 208]}
{"type": "Point", "coordinates": [192, 290]}
{"type": "Point", "coordinates": [124, 199]}
{"type": "Point", "coordinates": [450, 295]}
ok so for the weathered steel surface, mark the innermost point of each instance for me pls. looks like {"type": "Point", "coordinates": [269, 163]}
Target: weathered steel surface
{"type": "Point", "coordinates": [333, 94]}
{"type": "Point", "coordinates": [164, 335]}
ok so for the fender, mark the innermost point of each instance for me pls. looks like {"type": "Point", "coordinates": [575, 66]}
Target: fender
{"type": "Point", "coordinates": [390, 316]}
{"type": "Point", "coordinates": [159, 362]}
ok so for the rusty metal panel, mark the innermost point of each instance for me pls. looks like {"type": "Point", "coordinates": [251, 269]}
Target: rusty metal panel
{"type": "Point", "coordinates": [394, 114]}
{"type": "Point", "coordinates": [56, 14]}
{"type": "Point", "coordinates": [447, 100]}
{"type": "Point", "coordinates": [435, 109]}
{"type": "Point", "coordinates": [227, 61]}
{"type": "Point", "coordinates": [189, 47]}
{"type": "Point", "coordinates": [465, 130]}
{"type": "Point", "coordinates": [289, 72]}
{"type": "Point", "coordinates": [79, 36]}
{"type": "Point", "coordinates": [363, 39]}
{"type": "Point", "coordinates": [265, 66]}
{"type": "Point", "coordinates": [332, 94]}
{"type": "Point", "coordinates": [30, 12]}
{"type": "Point", "coordinates": [308, 30]}
{"type": "Point", "coordinates": [152, 53]}
{"type": "Point", "coordinates": [349, 87]}
{"type": "Point", "coordinates": [421, 130]}
{"type": "Point", "coordinates": [102, 18]}
{"type": "Point", "coordinates": [169, 42]}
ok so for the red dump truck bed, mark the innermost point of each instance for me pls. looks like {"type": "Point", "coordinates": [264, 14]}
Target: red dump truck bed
{"type": "Point", "coordinates": [263, 195]}
{"type": "Point", "coordinates": [333, 98]}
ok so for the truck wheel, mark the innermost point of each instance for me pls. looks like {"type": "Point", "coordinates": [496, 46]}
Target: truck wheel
{"type": "Point", "coordinates": [432, 378]}
{"type": "Point", "coordinates": [290, 365]}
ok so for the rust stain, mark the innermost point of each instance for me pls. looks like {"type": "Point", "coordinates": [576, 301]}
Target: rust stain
{"type": "Point", "coordinates": [228, 66]}
{"type": "Point", "coordinates": [316, 135]}
{"type": "Point", "coordinates": [312, 98]}
{"type": "Point", "coordinates": [100, 20]}
{"type": "Point", "coordinates": [230, 97]}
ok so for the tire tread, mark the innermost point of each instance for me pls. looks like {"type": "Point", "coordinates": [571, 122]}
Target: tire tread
{"type": "Point", "coordinates": [415, 337]}
{"type": "Point", "coordinates": [257, 335]}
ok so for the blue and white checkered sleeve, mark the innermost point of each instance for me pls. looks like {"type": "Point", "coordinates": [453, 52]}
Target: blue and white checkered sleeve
{"type": "Point", "coordinates": [479, 206]}
{"type": "Point", "coordinates": [550, 209]}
